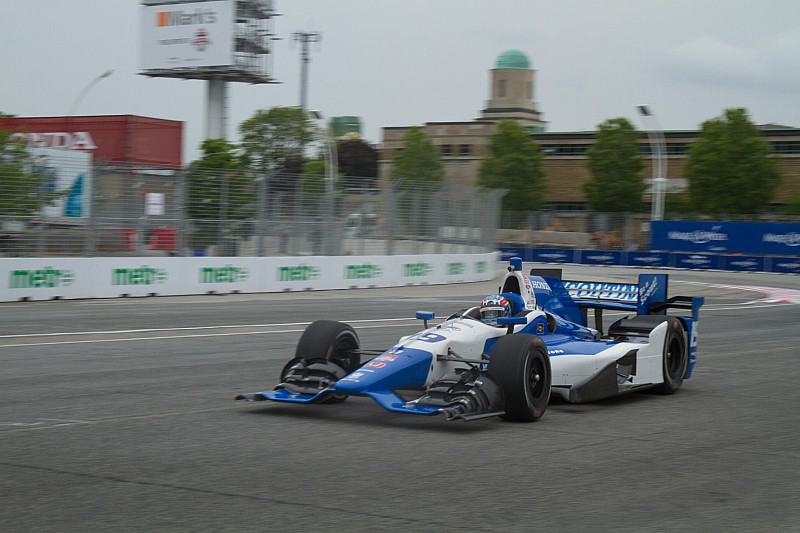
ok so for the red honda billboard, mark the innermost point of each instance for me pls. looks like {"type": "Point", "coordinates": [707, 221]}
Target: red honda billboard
{"type": "Point", "coordinates": [113, 139]}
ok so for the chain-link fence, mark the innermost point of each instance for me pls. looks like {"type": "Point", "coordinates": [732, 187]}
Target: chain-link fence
{"type": "Point", "coordinates": [88, 211]}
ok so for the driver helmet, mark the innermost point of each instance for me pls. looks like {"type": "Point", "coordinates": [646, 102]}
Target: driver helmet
{"type": "Point", "coordinates": [494, 307]}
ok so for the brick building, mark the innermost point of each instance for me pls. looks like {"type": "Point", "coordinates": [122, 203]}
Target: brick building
{"type": "Point", "coordinates": [464, 144]}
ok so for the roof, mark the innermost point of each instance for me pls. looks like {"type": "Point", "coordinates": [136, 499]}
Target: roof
{"type": "Point", "coordinates": [513, 59]}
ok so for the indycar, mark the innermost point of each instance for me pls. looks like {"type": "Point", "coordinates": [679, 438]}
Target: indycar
{"type": "Point", "coordinates": [466, 368]}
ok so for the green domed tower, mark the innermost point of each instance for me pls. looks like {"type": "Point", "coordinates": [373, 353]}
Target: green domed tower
{"type": "Point", "coordinates": [511, 91]}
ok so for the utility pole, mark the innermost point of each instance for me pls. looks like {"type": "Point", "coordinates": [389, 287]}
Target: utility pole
{"type": "Point", "coordinates": [305, 38]}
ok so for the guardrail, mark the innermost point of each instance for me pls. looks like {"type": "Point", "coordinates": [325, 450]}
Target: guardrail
{"type": "Point", "coordinates": [693, 261]}
{"type": "Point", "coordinates": [112, 277]}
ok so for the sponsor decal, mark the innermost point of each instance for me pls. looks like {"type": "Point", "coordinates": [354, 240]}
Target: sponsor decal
{"type": "Point", "coordinates": [555, 352]}
{"type": "Point", "coordinates": [143, 275]}
{"type": "Point", "coordinates": [201, 40]}
{"type": "Point", "coordinates": [789, 239]}
{"type": "Point", "coordinates": [697, 260]}
{"type": "Point", "coordinates": [35, 279]}
{"type": "Point", "coordinates": [601, 291]}
{"type": "Point", "coordinates": [647, 290]}
{"type": "Point", "coordinates": [355, 376]}
{"type": "Point", "coordinates": [297, 273]}
{"type": "Point", "coordinates": [481, 267]}
{"type": "Point", "coordinates": [454, 269]}
{"type": "Point", "coordinates": [417, 269]}
{"type": "Point", "coordinates": [364, 271]}
{"type": "Point", "coordinates": [226, 274]}
{"type": "Point", "coordinates": [181, 18]}
{"type": "Point", "coordinates": [78, 140]}
{"type": "Point", "coordinates": [541, 285]}
{"type": "Point", "coordinates": [698, 236]}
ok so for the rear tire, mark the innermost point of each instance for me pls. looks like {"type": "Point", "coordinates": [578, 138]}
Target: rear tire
{"type": "Point", "coordinates": [521, 367]}
{"type": "Point", "coordinates": [675, 357]}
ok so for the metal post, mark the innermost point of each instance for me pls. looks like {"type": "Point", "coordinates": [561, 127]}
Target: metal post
{"type": "Point", "coordinates": [659, 161]}
{"type": "Point", "coordinates": [85, 91]}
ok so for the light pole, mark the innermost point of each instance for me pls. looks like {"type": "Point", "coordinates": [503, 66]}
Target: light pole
{"type": "Point", "coordinates": [86, 89]}
{"type": "Point", "coordinates": [331, 166]}
{"type": "Point", "coordinates": [658, 157]}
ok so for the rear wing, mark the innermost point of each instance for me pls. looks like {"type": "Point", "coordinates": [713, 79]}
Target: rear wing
{"type": "Point", "coordinates": [571, 299]}
{"type": "Point", "coordinates": [648, 297]}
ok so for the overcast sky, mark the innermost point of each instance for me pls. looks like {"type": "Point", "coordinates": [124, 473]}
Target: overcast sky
{"type": "Point", "coordinates": [407, 62]}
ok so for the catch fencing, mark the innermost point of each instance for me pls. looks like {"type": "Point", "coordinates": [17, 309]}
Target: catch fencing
{"type": "Point", "coordinates": [73, 209]}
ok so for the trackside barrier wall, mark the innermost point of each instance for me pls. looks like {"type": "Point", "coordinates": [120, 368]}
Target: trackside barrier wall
{"type": "Point", "coordinates": [739, 263]}
{"type": "Point", "coordinates": [111, 277]}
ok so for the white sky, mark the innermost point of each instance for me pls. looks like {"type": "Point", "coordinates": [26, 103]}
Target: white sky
{"type": "Point", "coordinates": [406, 62]}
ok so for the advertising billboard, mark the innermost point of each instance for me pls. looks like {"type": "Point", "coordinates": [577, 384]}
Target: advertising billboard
{"type": "Point", "coordinates": [67, 174]}
{"type": "Point", "coordinates": [187, 35]}
{"type": "Point", "coordinates": [768, 238]}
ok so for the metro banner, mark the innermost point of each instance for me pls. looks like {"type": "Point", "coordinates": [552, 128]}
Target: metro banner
{"type": "Point", "coordinates": [758, 238]}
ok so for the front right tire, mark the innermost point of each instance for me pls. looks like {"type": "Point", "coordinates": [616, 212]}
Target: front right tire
{"type": "Point", "coordinates": [520, 365]}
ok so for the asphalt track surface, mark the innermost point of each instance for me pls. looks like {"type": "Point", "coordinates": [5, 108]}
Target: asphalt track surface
{"type": "Point", "coordinates": [118, 415]}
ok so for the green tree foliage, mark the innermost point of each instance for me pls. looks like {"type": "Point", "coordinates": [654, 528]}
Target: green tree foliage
{"type": "Point", "coordinates": [272, 137]}
{"type": "Point", "coordinates": [418, 161]}
{"type": "Point", "coordinates": [729, 168]}
{"type": "Point", "coordinates": [217, 187]}
{"type": "Point", "coordinates": [516, 165]}
{"type": "Point", "coordinates": [313, 182]}
{"type": "Point", "coordinates": [22, 188]}
{"type": "Point", "coordinates": [358, 164]}
{"type": "Point", "coordinates": [616, 185]}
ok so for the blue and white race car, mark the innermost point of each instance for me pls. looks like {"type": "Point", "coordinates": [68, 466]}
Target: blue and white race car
{"type": "Point", "coordinates": [506, 357]}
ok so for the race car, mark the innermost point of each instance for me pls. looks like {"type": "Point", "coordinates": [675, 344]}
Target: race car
{"type": "Point", "coordinates": [507, 356]}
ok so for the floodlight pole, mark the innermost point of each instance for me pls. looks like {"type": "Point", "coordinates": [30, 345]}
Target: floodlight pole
{"type": "Point", "coordinates": [85, 91]}
{"type": "Point", "coordinates": [305, 38]}
{"type": "Point", "coordinates": [658, 156]}
{"type": "Point", "coordinates": [331, 167]}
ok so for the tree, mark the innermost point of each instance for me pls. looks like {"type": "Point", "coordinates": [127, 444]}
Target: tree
{"type": "Point", "coordinates": [616, 184]}
{"type": "Point", "coordinates": [729, 168]}
{"type": "Point", "coordinates": [217, 188]}
{"type": "Point", "coordinates": [516, 165]}
{"type": "Point", "coordinates": [358, 164]}
{"type": "Point", "coordinates": [272, 137]}
{"type": "Point", "coordinates": [418, 161]}
{"type": "Point", "coordinates": [22, 187]}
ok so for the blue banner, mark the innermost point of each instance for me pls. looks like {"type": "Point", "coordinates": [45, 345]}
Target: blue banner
{"type": "Point", "coordinates": [743, 263]}
{"type": "Point", "coordinates": [759, 238]}
{"type": "Point", "coordinates": [597, 257]}
{"type": "Point", "coordinates": [508, 253]}
{"type": "Point", "coordinates": [553, 255]}
{"type": "Point", "coordinates": [785, 265]}
{"type": "Point", "coordinates": [696, 261]}
{"type": "Point", "coordinates": [648, 259]}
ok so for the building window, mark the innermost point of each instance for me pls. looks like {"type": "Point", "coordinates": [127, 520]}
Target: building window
{"type": "Point", "coordinates": [447, 149]}
{"type": "Point", "coordinates": [501, 88]}
{"type": "Point", "coordinates": [464, 149]}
